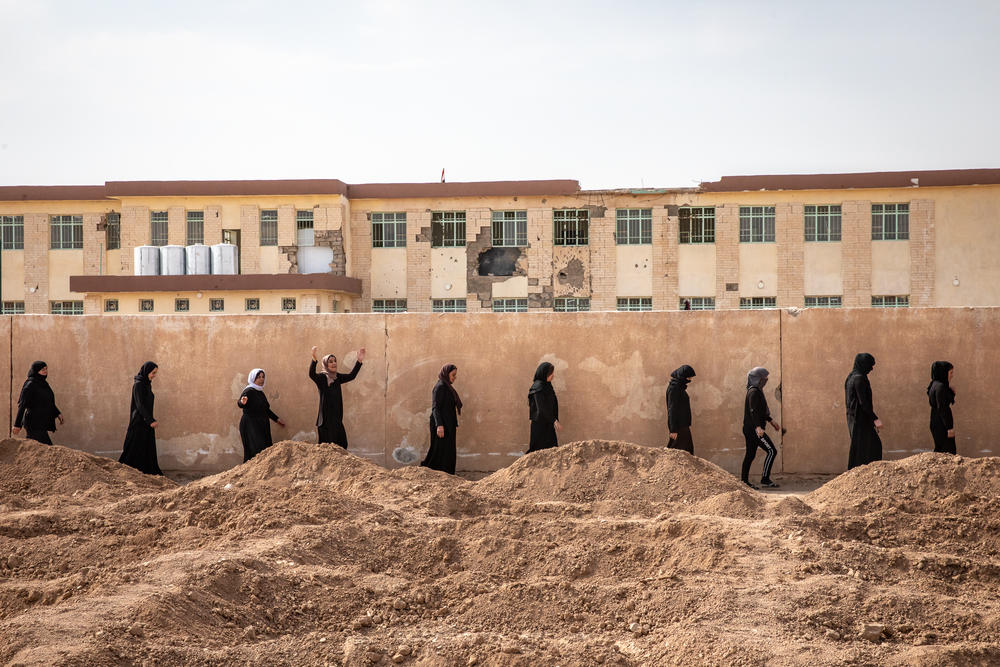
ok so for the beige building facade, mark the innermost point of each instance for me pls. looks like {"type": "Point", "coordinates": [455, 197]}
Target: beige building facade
{"type": "Point", "coordinates": [891, 239]}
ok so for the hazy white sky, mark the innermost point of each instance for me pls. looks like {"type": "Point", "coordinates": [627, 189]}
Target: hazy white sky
{"type": "Point", "coordinates": [615, 94]}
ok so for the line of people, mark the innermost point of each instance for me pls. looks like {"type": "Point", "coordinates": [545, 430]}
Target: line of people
{"type": "Point", "coordinates": [37, 413]}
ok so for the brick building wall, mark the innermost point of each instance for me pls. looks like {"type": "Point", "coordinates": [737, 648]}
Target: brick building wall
{"type": "Point", "coordinates": [789, 222]}
{"type": "Point", "coordinates": [923, 246]}
{"type": "Point", "coordinates": [665, 237]}
{"type": "Point", "coordinates": [727, 255]}
{"type": "Point", "coordinates": [250, 235]}
{"type": "Point", "coordinates": [36, 263]}
{"type": "Point", "coordinates": [418, 260]}
{"type": "Point", "coordinates": [856, 248]}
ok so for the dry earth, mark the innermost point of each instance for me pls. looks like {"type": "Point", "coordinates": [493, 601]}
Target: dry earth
{"type": "Point", "coordinates": [594, 553]}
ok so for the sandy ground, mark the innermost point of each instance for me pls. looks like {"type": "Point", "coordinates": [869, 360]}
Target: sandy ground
{"type": "Point", "coordinates": [594, 553]}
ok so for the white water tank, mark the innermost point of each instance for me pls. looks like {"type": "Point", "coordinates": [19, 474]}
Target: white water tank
{"type": "Point", "coordinates": [172, 260]}
{"type": "Point", "coordinates": [225, 259]}
{"type": "Point", "coordinates": [199, 259]}
{"type": "Point", "coordinates": [146, 260]}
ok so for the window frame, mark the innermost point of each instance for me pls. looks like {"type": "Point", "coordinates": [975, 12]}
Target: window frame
{"type": "Point", "coordinates": [251, 300]}
{"type": "Point", "coordinates": [266, 222]}
{"type": "Point", "coordinates": [12, 307]}
{"type": "Point", "coordinates": [513, 304]}
{"type": "Point", "coordinates": [634, 304]}
{"type": "Point", "coordinates": [456, 227]}
{"type": "Point", "coordinates": [563, 235]}
{"type": "Point", "coordinates": [157, 218]}
{"type": "Point", "coordinates": [75, 307]}
{"type": "Point", "coordinates": [389, 305]}
{"type": "Point", "coordinates": [381, 222]}
{"type": "Point", "coordinates": [111, 305]}
{"type": "Point", "coordinates": [185, 309]}
{"type": "Point", "coordinates": [697, 302]}
{"type": "Point", "coordinates": [898, 301]}
{"type": "Point", "coordinates": [192, 219]}
{"type": "Point", "coordinates": [634, 226]}
{"type": "Point", "coordinates": [823, 301]}
{"type": "Point", "coordinates": [899, 209]}
{"type": "Point", "coordinates": [213, 302]}
{"type": "Point", "coordinates": [766, 302]}
{"type": "Point", "coordinates": [757, 224]}
{"type": "Point", "coordinates": [509, 228]}
{"type": "Point", "coordinates": [704, 217]}
{"type": "Point", "coordinates": [58, 227]}
{"type": "Point", "coordinates": [11, 228]}
{"type": "Point", "coordinates": [571, 304]}
{"type": "Point", "coordinates": [289, 304]}
{"type": "Point", "coordinates": [442, 306]}
{"type": "Point", "coordinates": [823, 223]}
{"type": "Point", "coordinates": [144, 309]}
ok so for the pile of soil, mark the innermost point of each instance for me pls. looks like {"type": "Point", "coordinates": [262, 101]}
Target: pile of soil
{"type": "Point", "coordinates": [593, 553]}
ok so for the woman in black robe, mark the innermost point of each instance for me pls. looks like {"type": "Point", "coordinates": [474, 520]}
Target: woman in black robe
{"type": "Point", "coordinates": [255, 427]}
{"type": "Point", "coordinates": [139, 450]}
{"type": "Point", "coordinates": [941, 397]}
{"type": "Point", "coordinates": [36, 406]}
{"type": "Point", "coordinates": [446, 406]}
{"type": "Point", "coordinates": [543, 409]}
{"type": "Point", "coordinates": [330, 420]}
{"type": "Point", "coordinates": [679, 410]}
{"type": "Point", "coordinates": [862, 422]}
{"type": "Point", "coordinates": [756, 417]}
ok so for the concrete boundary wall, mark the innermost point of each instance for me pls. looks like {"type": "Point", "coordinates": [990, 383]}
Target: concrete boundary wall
{"type": "Point", "coordinates": [612, 372]}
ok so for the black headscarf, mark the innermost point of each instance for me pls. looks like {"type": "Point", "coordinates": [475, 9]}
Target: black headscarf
{"type": "Point", "coordinates": [863, 363]}
{"type": "Point", "coordinates": [143, 374]}
{"type": "Point", "coordinates": [541, 379]}
{"type": "Point", "coordinates": [939, 373]}
{"type": "Point", "coordinates": [34, 378]}
{"type": "Point", "coordinates": [682, 375]}
{"type": "Point", "coordinates": [444, 377]}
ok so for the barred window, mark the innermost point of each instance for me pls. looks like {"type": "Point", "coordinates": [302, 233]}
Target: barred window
{"type": "Point", "coordinates": [898, 301]}
{"type": "Point", "coordinates": [697, 224]}
{"type": "Point", "coordinates": [569, 304]}
{"type": "Point", "coordinates": [635, 303]}
{"type": "Point", "coordinates": [388, 230]}
{"type": "Point", "coordinates": [288, 304]}
{"type": "Point", "coordinates": [697, 303]}
{"type": "Point", "coordinates": [216, 305]}
{"type": "Point", "coordinates": [890, 222]}
{"type": "Point", "coordinates": [389, 305]}
{"type": "Point", "coordinates": [12, 308]}
{"type": "Point", "coordinates": [510, 305]}
{"type": "Point", "coordinates": [634, 226]}
{"type": "Point", "coordinates": [66, 307]}
{"type": "Point", "coordinates": [823, 222]}
{"type": "Point", "coordinates": [303, 220]}
{"type": "Point", "coordinates": [447, 229]}
{"type": "Point", "coordinates": [66, 232]}
{"type": "Point", "coordinates": [510, 228]}
{"type": "Point", "coordinates": [758, 302]}
{"type": "Point", "coordinates": [304, 233]}
{"type": "Point", "coordinates": [195, 227]}
{"type": "Point", "coordinates": [11, 232]}
{"type": "Point", "coordinates": [571, 226]}
{"type": "Point", "coordinates": [111, 305]}
{"type": "Point", "coordinates": [113, 230]}
{"type": "Point", "coordinates": [269, 227]}
{"type": "Point", "coordinates": [448, 305]}
{"type": "Point", "coordinates": [145, 305]}
{"type": "Point", "coordinates": [251, 304]}
{"type": "Point", "coordinates": [756, 224]}
{"type": "Point", "coordinates": [823, 302]}
{"type": "Point", "coordinates": [158, 228]}
{"type": "Point", "coordinates": [182, 305]}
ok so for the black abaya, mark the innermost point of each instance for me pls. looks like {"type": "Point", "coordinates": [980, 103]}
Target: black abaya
{"type": "Point", "coordinates": [255, 424]}
{"type": "Point", "coordinates": [679, 409]}
{"type": "Point", "coordinates": [941, 396]}
{"type": "Point", "coordinates": [866, 446]}
{"type": "Point", "coordinates": [139, 449]}
{"type": "Point", "coordinates": [444, 412]}
{"type": "Point", "coordinates": [36, 406]}
{"type": "Point", "coordinates": [543, 410]}
{"type": "Point", "coordinates": [330, 419]}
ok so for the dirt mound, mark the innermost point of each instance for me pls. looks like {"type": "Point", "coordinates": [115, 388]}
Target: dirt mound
{"type": "Point", "coordinates": [31, 470]}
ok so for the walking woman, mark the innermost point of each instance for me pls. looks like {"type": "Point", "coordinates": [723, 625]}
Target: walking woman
{"type": "Point", "coordinates": [330, 420]}
{"type": "Point", "coordinates": [756, 416]}
{"type": "Point", "coordinates": [255, 424]}
{"type": "Point", "coordinates": [862, 422]}
{"type": "Point", "coordinates": [543, 409]}
{"type": "Point", "coordinates": [446, 406]}
{"type": "Point", "coordinates": [679, 410]}
{"type": "Point", "coordinates": [941, 397]}
{"type": "Point", "coordinates": [36, 407]}
{"type": "Point", "coordinates": [139, 450]}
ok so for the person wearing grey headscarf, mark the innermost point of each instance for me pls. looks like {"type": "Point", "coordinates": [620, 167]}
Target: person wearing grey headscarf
{"type": "Point", "coordinates": [756, 416]}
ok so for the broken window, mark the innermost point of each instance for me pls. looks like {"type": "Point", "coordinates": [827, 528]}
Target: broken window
{"type": "Point", "coordinates": [66, 232]}
{"type": "Point", "coordinates": [890, 222]}
{"type": "Point", "coordinates": [823, 302]}
{"type": "Point", "coordinates": [510, 305]}
{"type": "Point", "coordinates": [571, 226]}
{"type": "Point", "coordinates": [566, 304]}
{"type": "Point", "coordinates": [448, 305]}
{"type": "Point", "coordinates": [899, 301]}
{"type": "Point", "coordinates": [158, 228]}
{"type": "Point", "coordinates": [822, 223]}
{"type": "Point", "coordinates": [510, 228]}
{"type": "Point", "coordinates": [697, 303]}
{"type": "Point", "coordinates": [447, 229]}
{"type": "Point", "coordinates": [758, 302]}
{"type": "Point", "coordinates": [635, 303]}
{"type": "Point", "coordinates": [634, 226]}
{"type": "Point", "coordinates": [269, 227]}
{"type": "Point", "coordinates": [697, 224]}
{"type": "Point", "coordinates": [756, 224]}
{"type": "Point", "coordinates": [389, 306]}
{"type": "Point", "coordinates": [12, 232]}
{"type": "Point", "coordinates": [388, 230]}
{"type": "Point", "coordinates": [195, 227]}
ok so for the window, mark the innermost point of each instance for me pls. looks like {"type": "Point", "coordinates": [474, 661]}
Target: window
{"type": "Point", "coordinates": [195, 227]}
{"type": "Point", "coordinates": [891, 301]}
{"type": "Point", "coordinates": [697, 303]}
{"type": "Point", "coordinates": [510, 228]}
{"type": "Point", "coordinates": [111, 305]}
{"type": "Point", "coordinates": [113, 231]}
{"type": "Point", "coordinates": [635, 303]}
{"type": "Point", "coordinates": [66, 232]}
{"type": "Point", "coordinates": [758, 302]}
{"type": "Point", "coordinates": [448, 229]}
{"type": "Point", "coordinates": [448, 305]}
{"type": "Point", "coordinates": [756, 224]}
{"type": "Point", "coordinates": [890, 222]}
{"type": "Point", "coordinates": [11, 232]}
{"type": "Point", "coordinates": [303, 220]}
{"type": "Point", "coordinates": [182, 305]}
{"type": "Point", "coordinates": [66, 307]}
{"type": "Point", "coordinates": [158, 228]}
{"type": "Point", "coordinates": [510, 305]}
{"type": "Point", "coordinates": [269, 227]}
{"type": "Point", "coordinates": [568, 304]}
{"type": "Point", "coordinates": [12, 308]}
{"type": "Point", "coordinates": [571, 226]}
{"type": "Point", "coordinates": [304, 232]}
{"type": "Point", "coordinates": [823, 223]}
{"type": "Point", "coordinates": [389, 306]}
{"type": "Point", "coordinates": [697, 224]}
{"type": "Point", "coordinates": [824, 302]}
{"type": "Point", "coordinates": [388, 230]}
{"type": "Point", "coordinates": [288, 304]}
{"type": "Point", "coordinates": [145, 305]}
{"type": "Point", "coordinates": [216, 305]}
{"type": "Point", "coordinates": [635, 226]}
{"type": "Point", "coordinates": [252, 304]}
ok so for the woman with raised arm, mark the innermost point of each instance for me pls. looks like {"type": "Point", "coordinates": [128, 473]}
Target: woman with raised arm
{"type": "Point", "coordinates": [862, 422]}
{"type": "Point", "coordinates": [941, 397]}
{"type": "Point", "coordinates": [446, 406]}
{"type": "Point", "coordinates": [36, 406]}
{"type": "Point", "coordinates": [139, 450]}
{"type": "Point", "coordinates": [543, 409]}
{"type": "Point", "coordinates": [255, 424]}
{"type": "Point", "coordinates": [330, 420]}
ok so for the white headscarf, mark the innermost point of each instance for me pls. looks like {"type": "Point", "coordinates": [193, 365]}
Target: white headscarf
{"type": "Point", "coordinates": [253, 376]}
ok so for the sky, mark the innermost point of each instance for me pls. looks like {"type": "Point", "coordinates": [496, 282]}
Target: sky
{"type": "Point", "coordinates": [613, 94]}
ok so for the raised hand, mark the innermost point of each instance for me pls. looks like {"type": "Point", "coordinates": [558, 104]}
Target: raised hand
{"type": "Point", "coordinates": [361, 354]}
{"type": "Point", "coordinates": [315, 358]}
